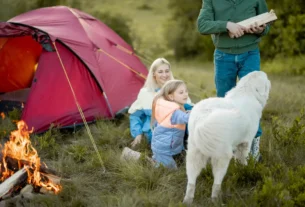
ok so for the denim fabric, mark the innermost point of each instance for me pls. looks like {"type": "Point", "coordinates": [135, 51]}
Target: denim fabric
{"type": "Point", "coordinates": [230, 66]}
{"type": "Point", "coordinates": [165, 160]}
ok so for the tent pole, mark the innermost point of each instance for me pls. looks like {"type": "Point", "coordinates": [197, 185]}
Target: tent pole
{"type": "Point", "coordinates": [149, 61]}
{"type": "Point", "coordinates": [126, 66]}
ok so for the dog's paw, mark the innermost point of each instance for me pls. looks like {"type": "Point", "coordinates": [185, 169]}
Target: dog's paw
{"type": "Point", "coordinates": [187, 200]}
{"type": "Point", "coordinates": [217, 201]}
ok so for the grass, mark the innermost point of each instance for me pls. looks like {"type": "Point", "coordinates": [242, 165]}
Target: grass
{"type": "Point", "coordinates": [139, 184]}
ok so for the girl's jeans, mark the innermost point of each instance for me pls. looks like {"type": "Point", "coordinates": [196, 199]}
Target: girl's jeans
{"type": "Point", "coordinates": [230, 66]}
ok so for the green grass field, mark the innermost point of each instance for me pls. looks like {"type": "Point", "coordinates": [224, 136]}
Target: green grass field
{"type": "Point", "coordinates": [146, 20]}
{"type": "Point", "coordinates": [277, 181]}
{"type": "Point", "coordinates": [139, 184]}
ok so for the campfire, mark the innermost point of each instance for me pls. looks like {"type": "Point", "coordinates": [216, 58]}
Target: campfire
{"type": "Point", "coordinates": [20, 166]}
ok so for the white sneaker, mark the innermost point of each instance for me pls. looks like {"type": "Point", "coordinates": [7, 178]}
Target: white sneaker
{"type": "Point", "coordinates": [129, 154]}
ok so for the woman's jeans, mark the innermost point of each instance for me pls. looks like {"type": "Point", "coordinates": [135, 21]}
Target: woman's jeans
{"type": "Point", "coordinates": [230, 66]}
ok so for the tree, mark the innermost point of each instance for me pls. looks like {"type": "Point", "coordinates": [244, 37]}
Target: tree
{"type": "Point", "coordinates": [182, 33]}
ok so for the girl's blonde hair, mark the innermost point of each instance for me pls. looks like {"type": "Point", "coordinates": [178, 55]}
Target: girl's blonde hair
{"type": "Point", "coordinates": [150, 82]}
{"type": "Point", "coordinates": [167, 89]}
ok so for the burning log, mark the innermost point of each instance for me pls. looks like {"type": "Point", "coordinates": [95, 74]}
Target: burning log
{"type": "Point", "coordinates": [18, 153]}
{"type": "Point", "coordinates": [53, 178]}
{"type": "Point", "coordinates": [9, 185]}
{"type": "Point", "coordinates": [14, 164]}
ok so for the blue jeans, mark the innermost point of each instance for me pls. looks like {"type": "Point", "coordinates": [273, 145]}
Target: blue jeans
{"type": "Point", "coordinates": [166, 160]}
{"type": "Point", "coordinates": [230, 66]}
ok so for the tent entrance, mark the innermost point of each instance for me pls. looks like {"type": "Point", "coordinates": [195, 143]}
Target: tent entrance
{"type": "Point", "coordinates": [18, 62]}
{"type": "Point", "coordinates": [19, 56]}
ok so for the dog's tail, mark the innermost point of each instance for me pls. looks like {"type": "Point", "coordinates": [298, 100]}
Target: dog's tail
{"type": "Point", "coordinates": [211, 141]}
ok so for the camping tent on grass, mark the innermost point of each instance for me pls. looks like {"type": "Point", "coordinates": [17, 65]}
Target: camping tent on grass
{"type": "Point", "coordinates": [61, 56]}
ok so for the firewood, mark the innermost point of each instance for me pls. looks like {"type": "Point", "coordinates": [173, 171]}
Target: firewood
{"type": "Point", "coordinates": [3, 203]}
{"type": "Point", "coordinates": [27, 189]}
{"type": "Point", "coordinates": [28, 195]}
{"type": "Point", "coordinates": [12, 182]}
{"type": "Point", "coordinates": [53, 178]}
{"type": "Point", "coordinates": [27, 192]}
{"type": "Point", "coordinates": [43, 190]}
{"type": "Point", "coordinates": [13, 165]}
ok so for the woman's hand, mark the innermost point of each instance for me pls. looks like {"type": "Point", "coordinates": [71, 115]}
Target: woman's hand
{"type": "Point", "coordinates": [136, 141]}
{"type": "Point", "coordinates": [255, 29]}
{"type": "Point", "coordinates": [235, 30]}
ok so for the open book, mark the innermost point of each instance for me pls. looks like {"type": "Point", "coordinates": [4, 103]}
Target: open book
{"type": "Point", "coordinates": [261, 19]}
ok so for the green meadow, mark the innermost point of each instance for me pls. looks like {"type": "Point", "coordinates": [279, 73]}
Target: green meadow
{"type": "Point", "coordinates": [279, 180]}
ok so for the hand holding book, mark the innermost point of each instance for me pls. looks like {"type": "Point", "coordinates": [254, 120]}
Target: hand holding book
{"type": "Point", "coordinates": [255, 29]}
{"type": "Point", "coordinates": [254, 24]}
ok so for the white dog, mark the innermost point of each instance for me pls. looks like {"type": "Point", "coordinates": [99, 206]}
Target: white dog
{"type": "Point", "coordinates": [219, 126]}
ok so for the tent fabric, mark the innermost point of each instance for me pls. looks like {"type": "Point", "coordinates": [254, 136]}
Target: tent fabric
{"type": "Point", "coordinates": [91, 55]}
{"type": "Point", "coordinates": [56, 103]}
{"type": "Point", "coordinates": [12, 30]}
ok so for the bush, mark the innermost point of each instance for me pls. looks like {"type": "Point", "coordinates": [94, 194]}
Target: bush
{"type": "Point", "coordinates": [9, 9]}
{"type": "Point", "coordinates": [182, 34]}
{"type": "Point", "coordinates": [288, 65]}
{"type": "Point", "coordinates": [273, 194]}
{"type": "Point", "coordinates": [290, 140]}
{"type": "Point", "coordinates": [287, 34]}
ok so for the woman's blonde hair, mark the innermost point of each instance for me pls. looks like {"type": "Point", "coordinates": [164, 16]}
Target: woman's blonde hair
{"type": "Point", "coordinates": [150, 82]}
{"type": "Point", "coordinates": [167, 89]}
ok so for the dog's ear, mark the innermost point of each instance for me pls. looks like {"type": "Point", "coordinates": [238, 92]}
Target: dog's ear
{"type": "Point", "coordinates": [260, 86]}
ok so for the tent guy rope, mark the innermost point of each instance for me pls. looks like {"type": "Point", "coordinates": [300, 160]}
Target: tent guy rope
{"type": "Point", "coordinates": [80, 111]}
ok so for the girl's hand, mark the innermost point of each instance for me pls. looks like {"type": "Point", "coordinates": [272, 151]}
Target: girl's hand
{"type": "Point", "coordinates": [255, 29]}
{"type": "Point", "coordinates": [136, 141]}
{"type": "Point", "coordinates": [235, 30]}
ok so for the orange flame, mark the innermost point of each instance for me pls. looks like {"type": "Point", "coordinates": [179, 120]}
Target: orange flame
{"type": "Point", "coordinates": [19, 147]}
{"type": "Point", "coordinates": [2, 115]}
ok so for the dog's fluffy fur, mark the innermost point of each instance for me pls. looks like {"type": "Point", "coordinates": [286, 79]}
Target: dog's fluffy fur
{"type": "Point", "coordinates": [219, 126]}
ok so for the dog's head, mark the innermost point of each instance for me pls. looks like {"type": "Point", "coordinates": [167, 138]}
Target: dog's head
{"type": "Point", "coordinates": [257, 84]}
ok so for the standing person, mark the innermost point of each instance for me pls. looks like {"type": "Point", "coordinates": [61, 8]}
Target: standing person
{"type": "Point", "coordinates": [236, 48]}
{"type": "Point", "coordinates": [171, 118]}
{"type": "Point", "coordinates": [140, 111]}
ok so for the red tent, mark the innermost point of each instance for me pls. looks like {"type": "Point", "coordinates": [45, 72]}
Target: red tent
{"type": "Point", "coordinates": [50, 48]}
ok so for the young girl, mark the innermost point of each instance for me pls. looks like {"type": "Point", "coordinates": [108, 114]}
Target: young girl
{"type": "Point", "coordinates": [171, 119]}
